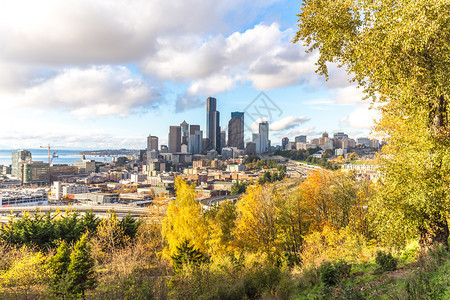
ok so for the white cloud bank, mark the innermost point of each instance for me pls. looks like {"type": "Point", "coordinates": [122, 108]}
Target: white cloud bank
{"type": "Point", "coordinates": [94, 91]}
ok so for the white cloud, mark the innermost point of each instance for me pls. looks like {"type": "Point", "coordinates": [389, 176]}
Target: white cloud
{"type": "Point", "coordinates": [185, 102]}
{"type": "Point", "coordinates": [104, 31]}
{"type": "Point", "coordinates": [76, 140]}
{"type": "Point", "coordinates": [94, 91]}
{"type": "Point", "coordinates": [308, 131]}
{"type": "Point", "coordinates": [361, 118]}
{"type": "Point", "coordinates": [262, 55]}
{"type": "Point", "coordinates": [349, 95]}
{"type": "Point", "coordinates": [212, 85]}
{"type": "Point", "coordinates": [288, 123]}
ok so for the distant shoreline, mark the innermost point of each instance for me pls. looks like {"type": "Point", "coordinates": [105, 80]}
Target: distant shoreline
{"type": "Point", "coordinates": [109, 152]}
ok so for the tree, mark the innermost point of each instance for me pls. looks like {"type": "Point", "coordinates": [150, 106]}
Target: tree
{"type": "Point", "coordinates": [110, 237]}
{"type": "Point", "coordinates": [398, 52]}
{"type": "Point", "coordinates": [81, 273]}
{"type": "Point", "coordinates": [27, 271]}
{"type": "Point", "coordinates": [239, 187]}
{"type": "Point", "coordinates": [187, 254]}
{"type": "Point", "coordinates": [130, 225]}
{"type": "Point", "coordinates": [221, 224]}
{"type": "Point", "coordinates": [59, 264]}
{"type": "Point", "coordinates": [335, 199]}
{"type": "Point", "coordinates": [184, 220]}
{"type": "Point", "coordinates": [256, 224]}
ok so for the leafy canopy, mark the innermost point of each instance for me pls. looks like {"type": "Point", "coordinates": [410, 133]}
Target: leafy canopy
{"type": "Point", "coordinates": [398, 51]}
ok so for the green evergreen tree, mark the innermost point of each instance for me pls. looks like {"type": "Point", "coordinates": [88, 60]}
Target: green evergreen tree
{"type": "Point", "coordinates": [187, 254]}
{"type": "Point", "coordinates": [81, 271]}
{"type": "Point", "coordinates": [89, 222]}
{"type": "Point", "coordinates": [59, 265]}
{"type": "Point", "coordinates": [130, 225]}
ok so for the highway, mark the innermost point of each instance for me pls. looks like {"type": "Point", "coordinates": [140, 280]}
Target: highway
{"type": "Point", "coordinates": [295, 168]}
{"type": "Point", "coordinates": [102, 210]}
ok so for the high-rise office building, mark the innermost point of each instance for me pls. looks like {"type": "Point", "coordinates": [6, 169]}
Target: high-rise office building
{"type": "Point", "coordinates": [36, 173]}
{"type": "Point", "coordinates": [250, 149]}
{"type": "Point", "coordinates": [174, 139]}
{"type": "Point", "coordinates": [236, 130]}
{"type": "Point", "coordinates": [264, 137]}
{"type": "Point", "coordinates": [18, 159]}
{"type": "Point", "coordinates": [212, 125]}
{"type": "Point", "coordinates": [184, 132]}
{"type": "Point", "coordinates": [194, 128]}
{"type": "Point", "coordinates": [223, 139]}
{"type": "Point", "coordinates": [340, 135]}
{"type": "Point", "coordinates": [152, 143]}
{"type": "Point", "coordinates": [256, 139]}
{"type": "Point", "coordinates": [300, 139]}
{"type": "Point", "coordinates": [196, 142]}
{"type": "Point", "coordinates": [284, 143]}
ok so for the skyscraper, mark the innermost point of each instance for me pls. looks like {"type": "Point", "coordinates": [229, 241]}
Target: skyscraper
{"type": "Point", "coordinates": [284, 142]}
{"type": "Point", "coordinates": [194, 128]}
{"type": "Point", "coordinates": [256, 139]}
{"type": "Point", "coordinates": [223, 139]}
{"type": "Point", "coordinates": [18, 159]}
{"type": "Point", "coordinates": [236, 130]}
{"type": "Point", "coordinates": [152, 143]}
{"type": "Point", "coordinates": [212, 125]}
{"type": "Point", "coordinates": [300, 139]}
{"type": "Point", "coordinates": [184, 132]}
{"type": "Point", "coordinates": [174, 139]}
{"type": "Point", "coordinates": [196, 142]}
{"type": "Point", "coordinates": [264, 136]}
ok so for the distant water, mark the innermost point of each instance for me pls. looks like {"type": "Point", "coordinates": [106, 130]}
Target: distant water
{"type": "Point", "coordinates": [68, 157]}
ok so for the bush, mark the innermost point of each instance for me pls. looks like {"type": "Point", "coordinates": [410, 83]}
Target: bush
{"type": "Point", "coordinates": [332, 273]}
{"type": "Point", "coordinates": [385, 261]}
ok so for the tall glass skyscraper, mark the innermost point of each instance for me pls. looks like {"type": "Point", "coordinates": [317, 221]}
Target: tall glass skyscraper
{"type": "Point", "coordinates": [212, 125]}
{"type": "Point", "coordinates": [264, 136]}
{"type": "Point", "coordinates": [236, 130]}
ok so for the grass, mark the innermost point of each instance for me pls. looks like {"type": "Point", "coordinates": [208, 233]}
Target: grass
{"type": "Point", "coordinates": [427, 277]}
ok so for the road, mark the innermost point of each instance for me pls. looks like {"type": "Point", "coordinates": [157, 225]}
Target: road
{"type": "Point", "coordinates": [102, 210]}
{"type": "Point", "coordinates": [295, 168]}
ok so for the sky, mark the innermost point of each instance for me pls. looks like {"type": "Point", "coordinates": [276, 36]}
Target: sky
{"type": "Point", "coordinates": [105, 74]}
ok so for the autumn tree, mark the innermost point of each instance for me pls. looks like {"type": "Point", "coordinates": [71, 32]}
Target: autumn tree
{"type": "Point", "coordinates": [28, 271]}
{"type": "Point", "coordinates": [267, 222]}
{"type": "Point", "coordinates": [334, 198]}
{"type": "Point", "coordinates": [398, 52]}
{"type": "Point", "coordinates": [184, 220]}
{"type": "Point", "coordinates": [221, 221]}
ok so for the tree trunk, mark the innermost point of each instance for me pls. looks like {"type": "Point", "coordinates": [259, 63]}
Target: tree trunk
{"type": "Point", "coordinates": [437, 230]}
{"type": "Point", "coordinates": [436, 233]}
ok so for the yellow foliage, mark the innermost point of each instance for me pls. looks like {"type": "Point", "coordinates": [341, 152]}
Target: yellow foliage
{"type": "Point", "coordinates": [221, 239]}
{"type": "Point", "coordinates": [184, 220]}
{"type": "Point", "coordinates": [28, 271]}
{"type": "Point", "coordinates": [334, 244]}
{"type": "Point", "coordinates": [256, 228]}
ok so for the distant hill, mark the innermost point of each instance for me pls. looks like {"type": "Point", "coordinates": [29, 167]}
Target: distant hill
{"type": "Point", "coordinates": [109, 152]}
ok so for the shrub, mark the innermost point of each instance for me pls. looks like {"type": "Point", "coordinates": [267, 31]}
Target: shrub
{"type": "Point", "coordinates": [385, 261]}
{"type": "Point", "coordinates": [332, 273]}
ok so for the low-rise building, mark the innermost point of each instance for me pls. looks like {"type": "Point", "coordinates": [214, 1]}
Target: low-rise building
{"type": "Point", "coordinates": [85, 165]}
{"type": "Point", "coordinates": [236, 168]}
{"type": "Point", "coordinates": [97, 198]}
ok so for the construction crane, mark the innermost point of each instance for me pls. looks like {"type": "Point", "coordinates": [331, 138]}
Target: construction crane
{"type": "Point", "coordinates": [50, 158]}
{"type": "Point", "coordinates": [53, 156]}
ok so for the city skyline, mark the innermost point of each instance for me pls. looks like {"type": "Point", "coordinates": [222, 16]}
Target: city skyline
{"type": "Point", "coordinates": [115, 72]}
